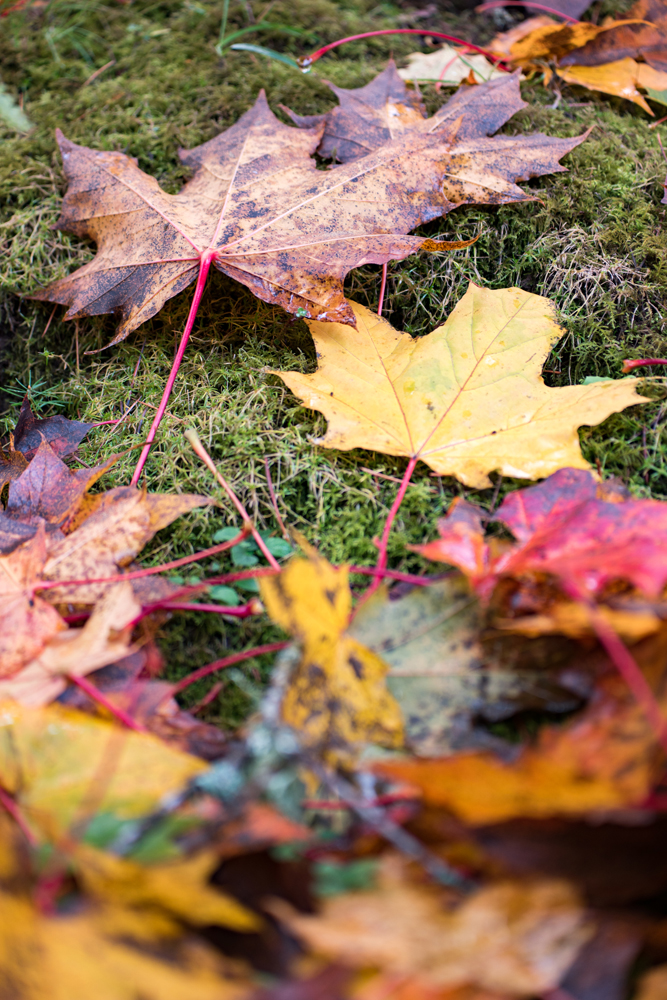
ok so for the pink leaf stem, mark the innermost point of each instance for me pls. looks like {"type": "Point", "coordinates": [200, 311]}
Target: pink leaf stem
{"type": "Point", "coordinates": [97, 696]}
{"type": "Point", "coordinates": [305, 62]}
{"type": "Point", "coordinates": [204, 266]}
{"type": "Point", "coordinates": [227, 661]}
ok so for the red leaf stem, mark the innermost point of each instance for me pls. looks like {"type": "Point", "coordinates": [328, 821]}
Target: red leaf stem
{"type": "Point", "coordinates": [305, 62]}
{"type": "Point", "coordinates": [227, 661]}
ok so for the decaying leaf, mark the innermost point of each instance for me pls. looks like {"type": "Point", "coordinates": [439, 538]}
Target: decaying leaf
{"type": "Point", "coordinates": [467, 399]}
{"type": "Point", "coordinates": [337, 698]}
{"type": "Point", "coordinates": [608, 757]}
{"type": "Point", "coordinates": [54, 529]}
{"type": "Point", "coordinates": [261, 211]}
{"type": "Point", "coordinates": [599, 57]}
{"type": "Point", "coordinates": [646, 39]}
{"type": "Point", "coordinates": [449, 66]}
{"type": "Point", "coordinates": [513, 938]}
{"type": "Point", "coordinates": [104, 639]}
{"type": "Point", "coordinates": [63, 435]}
{"type": "Point", "coordinates": [442, 674]}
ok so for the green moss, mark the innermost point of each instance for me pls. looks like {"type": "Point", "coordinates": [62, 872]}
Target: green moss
{"type": "Point", "coordinates": [593, 241]}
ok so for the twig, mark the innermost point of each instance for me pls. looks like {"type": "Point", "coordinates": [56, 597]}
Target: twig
{"type": "Point", "coordinates": [200, 450]}
{"type": "Point", "coordinates": [227, 661]}
{"type": "Point", "coordinates": [96, 695]}
{"type": "Point", "coordinates": [48, 322]}
{"type": "Point", "coordinates": [98, 72]}
{"type": "Point", "coordinates": [403, 841]}
{"type": "Point", "coordinates": [274, 502]}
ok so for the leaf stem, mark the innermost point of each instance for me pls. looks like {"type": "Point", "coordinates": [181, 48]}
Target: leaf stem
{"type": "Point", "coordinates": [11, 807]}
{"type": "Point", "coordinates": [629, 364]}
{"type": "Point", "coordinates": [200, 450]}
{"type": "Point", "coordinates": [204, 267]}
{"type": "Point", "coordinates": [137, 574]}
{"type": "Point", "coordinates": [305, 62]}
{"type": "Point", "coordinates": [96, 695]}
{"type": "Point", "coordinates": [227, 661]}
{"type": "Point", "coordinates": [383, 286]}
{"type": "Point", "coordinates": [391, 516]}
{"type": "Point", "coordinates": [625, 663]}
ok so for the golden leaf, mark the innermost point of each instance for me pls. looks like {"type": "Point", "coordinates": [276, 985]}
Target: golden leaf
{"type": "Point", "coordinates": [467, 399]}
{"type": "Point", "coordinates": [337, 698]}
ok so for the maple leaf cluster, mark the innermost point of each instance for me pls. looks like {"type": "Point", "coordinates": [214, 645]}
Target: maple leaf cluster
{"type": "Point", "coordinates": [368, 817]}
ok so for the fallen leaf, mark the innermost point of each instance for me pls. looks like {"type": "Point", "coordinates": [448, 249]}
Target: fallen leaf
{"type": "Point", "coordinates": [467, 399]}
{"type": "Point", "coordinates": [620, 79]}
{"type": "Point", "coordinates": [62, 434]}
{"type": "Point", "coordinates": [27, 622]}
{"type": "Point", "coordinates": [61, 765]}
{"type": "Point", "coordinates": [441, 673]}
{"type": "Point", "coordinates": [261, 211]}
{"type": "Point", "coordinates": [105, 638]}
{"type": "Point", "coordinates": [653, 984]}
{"type": "Point", "coordinates": [369, 117]}
{"type": "Point", "coordinates": [570, 527]}
{"type": "Point", "coordinates": [122, 521]}
{"type": "Point", "coordinates": [449, 66]}
{"type": "Point", "coordinates": [180, 887]}
{"type": "Point", "coordinates": [336, 699]}
{"type": "Point", "coordinates": [550, 42]}
{"type": "Point", "coordinates": [647, 40]}
{"type": "Point", "coordinates": [101, 953]}
{"type": "Point", "coordinates": [607, 757]}
{"type": "Point", "coordinates": [512, 938]}
{"type": "Point", "coordinates": [501, 44]}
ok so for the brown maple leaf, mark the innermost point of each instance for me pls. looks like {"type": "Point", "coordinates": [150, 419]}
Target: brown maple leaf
{"type": "Point", "coordinates": [385, 108]}
{"type": "Point", "coordinates": [259, 210]}
{"type": "Point", "coordinates": [62, 434]}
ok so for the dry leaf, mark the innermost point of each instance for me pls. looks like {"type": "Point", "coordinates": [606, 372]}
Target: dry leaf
{"type": "Point", "coordinates": [512, 938]}
{"type": "Point", "coordinates": [606, 758]}
{"type": "Point", "coordinates": [267, 217]}
{"type": "Point", "coordinates": [620, 79]}
{"type": "Point", "coordinates": [179, 887]}
{"type": "Point", "coordinates": [104, 639]}
{"type": "Point", "coordinates": [449, 66]}
{"type": "Point", "coordinates": [27, 622]}
{"type": "Point", "coordinates": [59, 764]}
{"type": "Point", "coordinates": [646, 39]}
{"type": "Point", "coordinates": [570, 527]}
{"type": "Point", "coordinates": [336, 699]}
{"type": "Point", "coordinates": [467, 399]}
{"type": "Point", "coordinates": [501, 44]}
{"type": "Point", "coordinates": [653, 984]}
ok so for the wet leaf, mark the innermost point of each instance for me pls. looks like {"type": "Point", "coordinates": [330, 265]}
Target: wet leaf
{"type": "Point", "coordinates": [467, 399]}
{"type": "Point", "coordinates": [259, 208]}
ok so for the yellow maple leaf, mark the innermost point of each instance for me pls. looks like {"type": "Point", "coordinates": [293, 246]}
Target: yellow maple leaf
{"type": "Point", "coordinates": [337, 699]}
{"type": "Point", "coordinates": [467, 399]}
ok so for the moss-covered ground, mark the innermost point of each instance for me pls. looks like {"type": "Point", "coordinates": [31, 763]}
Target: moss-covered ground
{"type": "Point", "coordinates": [594, 242]}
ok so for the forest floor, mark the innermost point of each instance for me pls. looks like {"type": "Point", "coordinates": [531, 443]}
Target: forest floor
{"type": "Point", "coordinates": [594, 242]}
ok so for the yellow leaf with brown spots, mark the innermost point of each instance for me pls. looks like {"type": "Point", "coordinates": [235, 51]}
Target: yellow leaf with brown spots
{"type": "Point", "coordinates": [337, 699]}
{"type": "Point", "coordinates": [467, 399]}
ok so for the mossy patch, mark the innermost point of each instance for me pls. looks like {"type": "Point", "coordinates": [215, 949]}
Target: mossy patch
{"type": "Point", "coordinates": [593, 241]}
